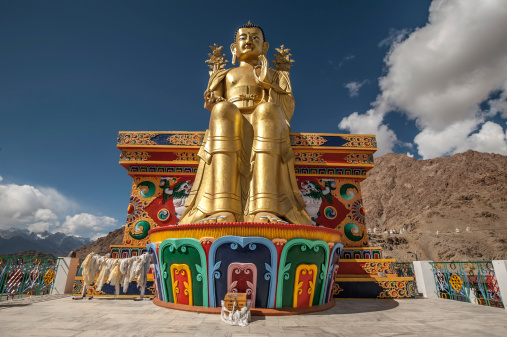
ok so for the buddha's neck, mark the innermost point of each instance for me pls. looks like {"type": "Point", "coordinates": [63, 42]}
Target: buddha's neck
{"type": "Point", "coordinates": [251, 63]}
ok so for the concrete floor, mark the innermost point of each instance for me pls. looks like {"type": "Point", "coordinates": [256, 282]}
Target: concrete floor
{"type": "Point", "coordinates": [62, 316]}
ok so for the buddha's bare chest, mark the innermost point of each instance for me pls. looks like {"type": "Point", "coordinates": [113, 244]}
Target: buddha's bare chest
{"type": "Point", "coordinates": [240, 77]}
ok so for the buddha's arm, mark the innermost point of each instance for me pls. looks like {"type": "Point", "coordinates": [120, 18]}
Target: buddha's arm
{"type": "Point", "coordinates": [213, 97]}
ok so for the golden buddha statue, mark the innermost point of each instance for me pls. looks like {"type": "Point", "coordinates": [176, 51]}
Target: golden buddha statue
{"type": "Point", "coordinates": [246, 168]}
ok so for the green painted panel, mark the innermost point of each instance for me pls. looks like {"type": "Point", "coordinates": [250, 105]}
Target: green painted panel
{"type": "Point", "coordinates": [294, 253]}
{"type": "Point", "coordinates": [191, 253]}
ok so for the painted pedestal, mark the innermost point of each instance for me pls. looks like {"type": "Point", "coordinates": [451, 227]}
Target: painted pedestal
{"type": "Point", "coordinates": [276, 265]}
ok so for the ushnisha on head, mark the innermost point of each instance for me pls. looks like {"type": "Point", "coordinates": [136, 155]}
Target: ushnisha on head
{"type": "Point", "coordinates": [249, 44]}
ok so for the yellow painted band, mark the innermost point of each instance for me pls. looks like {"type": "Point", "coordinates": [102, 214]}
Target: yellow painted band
{"type": "Point", "coordinates": [266, 232]}
{"type": "Point", "coordinates": [373, 279]}
{"type": "Point", "coordinates": [367, 260]}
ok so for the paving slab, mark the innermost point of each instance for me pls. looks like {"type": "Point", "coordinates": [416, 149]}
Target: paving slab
{"type": "Point", "coordinates": [62, 316]}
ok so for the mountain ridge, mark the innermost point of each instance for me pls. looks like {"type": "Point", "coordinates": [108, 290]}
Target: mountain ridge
{"type": "Point", "coordinates": [14, 240]}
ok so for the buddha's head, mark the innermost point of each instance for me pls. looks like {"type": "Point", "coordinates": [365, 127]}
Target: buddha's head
{"type": "Point", "coordinates": [249, 43]}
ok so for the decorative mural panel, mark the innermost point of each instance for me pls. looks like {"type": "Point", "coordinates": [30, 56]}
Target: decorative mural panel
{"type": "Point", "coordinates": [182, 138]}
{"type": "Point", "coordinates": [295, 253]}
{"type": "Point", "coordinates": [242, 278]}
{"type": "Point", "coordinates": [188, 252]}
{"type": "Point", "coordinates": [154, 202]}
{"type": "Point", "coordinates": [258, 251]}
{"type": "Point", "coordinates": [396, 289]}
{"type": "Point", "coordinates": [336, 203]}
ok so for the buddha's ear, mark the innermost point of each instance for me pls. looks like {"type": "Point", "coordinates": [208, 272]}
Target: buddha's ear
{"type": "Point", "coordinates": [233, 52]}
{"type": "Point", "coordinates": [265, 47]}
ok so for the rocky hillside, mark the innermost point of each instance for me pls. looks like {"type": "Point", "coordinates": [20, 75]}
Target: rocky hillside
{"type": "Point", "coordinates": [31, 253]}
{"type": "Point", "coordinates": [443, 194]}
{"type": "Point", "coordinates": [101, 246]}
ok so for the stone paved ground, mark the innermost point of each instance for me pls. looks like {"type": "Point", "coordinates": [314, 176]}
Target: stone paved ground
{"type": "Point", "coordinates": [57, 316]}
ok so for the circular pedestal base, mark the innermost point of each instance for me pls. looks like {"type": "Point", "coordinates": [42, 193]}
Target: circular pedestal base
{"type": "Point", "coordinates": [254, 311]}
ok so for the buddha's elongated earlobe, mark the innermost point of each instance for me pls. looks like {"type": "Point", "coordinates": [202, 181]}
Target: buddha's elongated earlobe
{"type": "Point", "coordinates": [233, 52]}
{"type": "Point", "coordinates": [265, 47]}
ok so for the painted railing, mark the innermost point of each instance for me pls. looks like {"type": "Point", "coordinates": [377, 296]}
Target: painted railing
{"type": "Point", "coordinates": [473, 282]}
{"type": "Point", "coordinates": [26, 276]}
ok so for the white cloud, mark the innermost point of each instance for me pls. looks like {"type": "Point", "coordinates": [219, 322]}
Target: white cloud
{"type": "Point", "coordinates": [431, 143]}
{"type": "Point", "coordinates": [45, 214]}
{"type": "Point", "coordinates": [410, 155]}
{"type": "Point", "coordinates": [498, 105]}
{"type": "Point", "coordinates": [441, 73]}
{"type": "Point", "coordinates": [490, 138]}
{"type": "Point", "coordinates": [22, 204]}
{"type": "Point", "coordinates": [39, 227]}
{"type": "Point", "coordinates": [41, 208]}
{"type": "Point", "coordinates": [354, 87]}
{"type": "Point", "coordinates": [1, 179]}
{"type": "Point", "coordinates": [395, 36]}
{"type": "Point", "coordinates": [347, 58]}
{"type": "Point", "coordinates": [371, 123]}
{"type": "Point", "coordinates": [87, 223]}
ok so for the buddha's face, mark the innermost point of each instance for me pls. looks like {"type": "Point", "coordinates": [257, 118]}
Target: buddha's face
{"type": "Point", "coordinates": [249, 44]}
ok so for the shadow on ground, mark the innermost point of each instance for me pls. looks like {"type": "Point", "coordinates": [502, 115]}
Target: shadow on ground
{"type": "Point", "coordinates": [358, 306]}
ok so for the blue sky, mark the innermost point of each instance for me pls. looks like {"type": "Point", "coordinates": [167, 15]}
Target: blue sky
{"type": "Point", "coordinates": [429, 78]}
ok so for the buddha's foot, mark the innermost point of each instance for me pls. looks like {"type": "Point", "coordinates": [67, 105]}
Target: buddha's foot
{"type": "Point", "coordinates": [268, 217]}
{"type": "Point", "coordinates": [219, 217]}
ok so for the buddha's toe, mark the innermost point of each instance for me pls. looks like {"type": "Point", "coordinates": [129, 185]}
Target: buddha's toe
{"type": "Point", "coordinates": [266, 217]}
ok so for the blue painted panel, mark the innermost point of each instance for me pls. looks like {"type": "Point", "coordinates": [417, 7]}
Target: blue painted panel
{"type": "Point", "coordinates": [333, 261]}
{"type": "Point", "coordinates": [152, 250]}
{"type": "Point", "coordinates": [234, 249]}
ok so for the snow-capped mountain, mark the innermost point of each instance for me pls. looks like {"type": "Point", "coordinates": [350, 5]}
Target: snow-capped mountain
{"type": "Point", "coordinates": [14, 240]}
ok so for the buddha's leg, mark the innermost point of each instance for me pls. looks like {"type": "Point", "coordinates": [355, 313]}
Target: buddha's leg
{"type": "Point", "coordinates": [221, 198]}
{"type": "Point", "coordinates": [267, 201]}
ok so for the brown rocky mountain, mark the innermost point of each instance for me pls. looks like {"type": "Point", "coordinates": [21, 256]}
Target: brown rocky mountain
{"type": "Point", "coordinates": [425, 196]}
{"type": "Point", "coordinates": [443, 194]}
{"type": "Point", "coordinates": [101, 245]}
